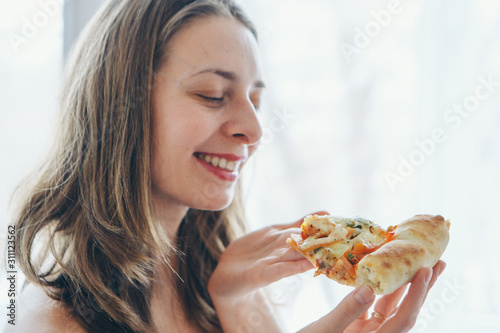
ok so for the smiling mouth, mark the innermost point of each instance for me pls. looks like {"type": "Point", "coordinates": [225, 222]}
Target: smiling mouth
{"type": "Point", "coordinates": [218, 162]}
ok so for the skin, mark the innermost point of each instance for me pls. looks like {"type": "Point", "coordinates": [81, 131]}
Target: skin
{"type": "Point", "coordinates": [262, 257]}
{"type": "Point", "coordinates": [205, 100]}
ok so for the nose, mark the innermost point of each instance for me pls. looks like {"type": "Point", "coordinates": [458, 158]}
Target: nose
{"type": "Point", "coordinates": [243, 123]}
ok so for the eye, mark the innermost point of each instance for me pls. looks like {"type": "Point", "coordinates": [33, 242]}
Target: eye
{"type": "Point", "coordinates": [211, 99]}
{"type": "Point", "coordinates": [256, 104]}
{"type": "Point", "coordinates": [255, 98]}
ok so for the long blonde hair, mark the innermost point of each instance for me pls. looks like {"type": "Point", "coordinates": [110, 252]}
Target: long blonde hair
{"type": "Point", "coordinates": [85, 229]}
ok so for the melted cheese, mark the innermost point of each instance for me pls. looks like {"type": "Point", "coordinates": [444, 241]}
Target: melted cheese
{"type": "Point", "coordinates": [322, 223]}
{"type": "Point", "coordinates": [313, 242]}
{"type": "Point", "coordinates": [338, 250]}
{"type": "Point", "coordinates": [367, 238]}
{"type": "Point", "coordinates": [344, 221]}
{"type": "Point", "coordinates": [335, 228]}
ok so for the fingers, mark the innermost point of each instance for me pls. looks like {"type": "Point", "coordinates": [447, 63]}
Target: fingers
{"type": "Point", "coordinates": [285, 233]}
{"type": "Point", "coordinates": [290, 255]}
{"type": "Point", "coordinates": [402, 319]}
{"type": "Point", "coordinates": [280, 270]}
{"type": "Point", "coordinates": [436, 272]}
{"type": "Point", "coordinates": [283, 261]}
{"type": "Point", "coordinates": [385, 307]}
{"type": "Point", "coordinates": [283, 254]}
{"type": "Point", "coordinates": [386, 304]}
{"type": "Point", "coordinates": [350, 309]}
{"type": "Point", "coordinates": [406, 316]}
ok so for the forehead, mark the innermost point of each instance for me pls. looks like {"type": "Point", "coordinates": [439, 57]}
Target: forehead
{"type": "Point", "coordinates": [213, 42]}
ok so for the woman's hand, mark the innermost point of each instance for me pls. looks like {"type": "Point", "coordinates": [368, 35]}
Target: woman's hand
{"type": "Point", "coordinates": [256, 260]}
{"type": "Point", "coordinates": [351, 315]}
{"type": "Point", "coordinates": [262, 257]}
{"type": "Point", "coordinates": [248, 264]}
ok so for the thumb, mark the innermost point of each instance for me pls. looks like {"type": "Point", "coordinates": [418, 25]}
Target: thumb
{"type": "Point", "coordinates": [351, 308]}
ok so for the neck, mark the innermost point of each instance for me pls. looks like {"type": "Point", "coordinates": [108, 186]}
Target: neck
{"type": "Point", "coordinates": [170, 214]}
{"type": "Point", "coordinates": [166, 308]}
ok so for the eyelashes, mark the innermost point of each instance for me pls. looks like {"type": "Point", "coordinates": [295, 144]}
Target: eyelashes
{"type": "Point", "coordinates": [210, 99]}
{"type": "Point", "coordinates": [219, 101]}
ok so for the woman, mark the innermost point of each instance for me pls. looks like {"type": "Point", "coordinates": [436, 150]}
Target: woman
{"type": "Point", "coordinates": [133, 213]}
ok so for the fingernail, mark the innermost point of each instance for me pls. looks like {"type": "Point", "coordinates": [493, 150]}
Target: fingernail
{"type": "Point", "coordinates": [442, 269]}
{"type": "Point", "coordinates": [364, 295]}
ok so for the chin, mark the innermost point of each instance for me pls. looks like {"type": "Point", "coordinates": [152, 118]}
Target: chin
{"type": "Point", "coordinates": [214, 203]}
{"type": "Point", "coordinates": [217, 206]}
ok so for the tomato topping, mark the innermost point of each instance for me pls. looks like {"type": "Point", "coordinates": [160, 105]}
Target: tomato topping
{"type": "Point", "coordinates": [390, 234]}
{"type": "Point", "coordinates": [361, 248]}
{"type": "Point", "coordinates": [349, 269]}
{"type": "Point", "coordinates": [359, 251]}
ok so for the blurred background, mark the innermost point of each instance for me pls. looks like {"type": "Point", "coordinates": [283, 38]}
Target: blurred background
{"type": "Point", "coordinates": [383, 109]}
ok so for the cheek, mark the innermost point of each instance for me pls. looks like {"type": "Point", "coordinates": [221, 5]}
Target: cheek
{"type": "Point", "coordinates": [180, 131]}
{"type": "Point", "coordinates": [176, 136]}
{"type": "Point", "coordinates": [188, 125]}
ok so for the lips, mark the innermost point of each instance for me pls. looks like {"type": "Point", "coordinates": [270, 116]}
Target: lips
{"type": "Point", "coordinates": [219, 162]}
{"type": "Point", "coordinates": [225, 166]}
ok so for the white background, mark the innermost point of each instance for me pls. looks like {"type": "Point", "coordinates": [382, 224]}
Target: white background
{"type": "Point", "coordinates": [336, 125]}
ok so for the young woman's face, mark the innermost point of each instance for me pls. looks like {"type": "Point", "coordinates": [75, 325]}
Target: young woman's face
{"type": "Point", "coordinates": [204, 119]}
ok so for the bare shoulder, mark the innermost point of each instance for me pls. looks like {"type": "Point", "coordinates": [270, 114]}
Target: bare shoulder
{"type": "Point", "coordinates": [37, 312]}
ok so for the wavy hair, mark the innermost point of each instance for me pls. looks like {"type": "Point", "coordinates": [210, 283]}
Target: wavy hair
{"type": "Point", "coordinates": [86, 230]}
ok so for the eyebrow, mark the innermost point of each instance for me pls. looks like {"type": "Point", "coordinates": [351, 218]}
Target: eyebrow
{"type": "Point", "coordinates": [228, 76]}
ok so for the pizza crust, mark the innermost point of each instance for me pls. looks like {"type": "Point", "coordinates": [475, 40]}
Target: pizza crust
{"type": "Point", "coordinates": [418, 242]}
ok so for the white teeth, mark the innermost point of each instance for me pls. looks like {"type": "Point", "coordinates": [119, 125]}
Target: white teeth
{"type": "Point", "coordinates": [222, 163]}
{"type": "Point", "coordinates": [219, 162]}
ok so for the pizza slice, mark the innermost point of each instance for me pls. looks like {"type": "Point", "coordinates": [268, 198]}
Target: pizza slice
{"type": "Point", "coordinates": [356, 251]}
